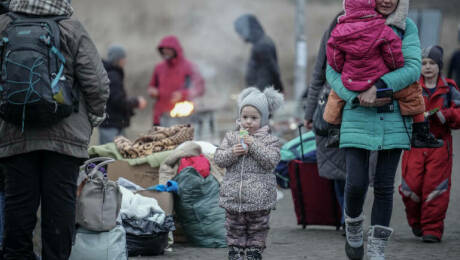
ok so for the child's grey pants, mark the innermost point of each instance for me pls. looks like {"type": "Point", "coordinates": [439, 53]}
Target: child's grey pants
{"type": "Point", "coordinates": [247, 229]}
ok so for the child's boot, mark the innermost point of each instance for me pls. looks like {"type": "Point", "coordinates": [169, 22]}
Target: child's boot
{"type": "Point", "coordinates": [333, 136]}
{"type": "Point", "coordinates": [254, 253]}
{"type": "Point", "coordinates": [354, 247]}
{"type": "Point", "coordinates": [422, 138]}
{"type": "Point", "coordinates": [235, 253]}
{"type": "Point", "coordinates": [377, 240]}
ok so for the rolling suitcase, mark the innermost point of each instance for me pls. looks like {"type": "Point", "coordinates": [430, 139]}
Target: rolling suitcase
{"type": "Point", "coordinates": [314, 197]}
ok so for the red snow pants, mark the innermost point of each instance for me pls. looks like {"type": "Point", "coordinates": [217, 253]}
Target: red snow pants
{"type": "Point", "coordinates": [425, 186]}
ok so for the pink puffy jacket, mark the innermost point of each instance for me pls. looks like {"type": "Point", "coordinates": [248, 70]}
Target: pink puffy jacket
{"type": "Point", "coordinates": [362, 47]}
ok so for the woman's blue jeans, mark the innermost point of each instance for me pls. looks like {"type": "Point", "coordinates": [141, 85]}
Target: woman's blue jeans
{"type": "Point", "coordinates": [339, 187]}
{"type": "Point", "coordinates": [357, 182]}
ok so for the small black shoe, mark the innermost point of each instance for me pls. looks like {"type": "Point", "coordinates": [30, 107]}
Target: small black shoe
{"type": "Point", "coordinates": [333, 136]}
{"type": "Point", "coordinates": [422, 138]}
{"type": "Point", "coordinates": [417, 231]}
{"type": "Point", "coordinates": [431, 239]}
{"type": "Point", "coordinates": [235, 253]}
{"type": "Point", "coordinates": [254, 254]}
{"type": "Point", "coordinates": [354, 253]}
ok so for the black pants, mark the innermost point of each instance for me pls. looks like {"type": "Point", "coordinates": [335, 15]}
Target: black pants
{"type": "Point", "coordinates": [357, 182]}
{"type": "Point", "coordinates": [38, 177]}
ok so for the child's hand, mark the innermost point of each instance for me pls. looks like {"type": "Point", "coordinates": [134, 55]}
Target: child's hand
{"type": "Point", "coordinates": [238, 150]}
{"type": "Point", "coordinates": [248, 139]}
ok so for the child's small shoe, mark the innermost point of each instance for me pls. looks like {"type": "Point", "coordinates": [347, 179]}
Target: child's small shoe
{"type": "Point", "coordinates": [417, 231]}
{"type": "Point", "coordinates": [431, 239]}
{"type": "Point", "coordinates": [235, 253]}
{"type": "Point", "coordinates": [422, 138]}
{"type": "Point", "coordinates": [333, 136]}
{"type": "Point", "coordinates": [254, 253]}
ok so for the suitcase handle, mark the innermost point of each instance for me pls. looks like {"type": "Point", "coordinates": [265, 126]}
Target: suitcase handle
{"type": "Point", "coordinates": [301, 142]}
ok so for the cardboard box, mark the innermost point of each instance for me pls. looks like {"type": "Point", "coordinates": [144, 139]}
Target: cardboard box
{"type": "Point", "coordinates": [145, 176]}
{"type": "Point", "coordinates": [142, 175]}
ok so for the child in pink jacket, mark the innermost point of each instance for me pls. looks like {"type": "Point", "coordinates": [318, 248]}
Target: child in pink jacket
{"type": "Point", "coordinates": [363, 48]}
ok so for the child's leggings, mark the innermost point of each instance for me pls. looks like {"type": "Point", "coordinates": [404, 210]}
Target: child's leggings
{"type": "Point", "coordinates": [247, 229]}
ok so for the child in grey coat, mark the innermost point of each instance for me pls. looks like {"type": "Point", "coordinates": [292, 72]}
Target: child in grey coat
{"type": "Point", "coordinates": [248, 191]}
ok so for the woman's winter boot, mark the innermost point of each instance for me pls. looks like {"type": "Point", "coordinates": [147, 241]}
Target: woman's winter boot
{"type": "Point", "coordinates": [377, 240]}
{"type": "Point", "coordinates": [354, 247]}
{"type": "Point", "coordinates": [235, 253]}
{"type": "Point", "coordinates": [254, 253]}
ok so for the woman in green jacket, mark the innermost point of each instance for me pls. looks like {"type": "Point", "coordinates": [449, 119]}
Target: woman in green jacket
{"type": "Point", "coordinates": [364, 129]}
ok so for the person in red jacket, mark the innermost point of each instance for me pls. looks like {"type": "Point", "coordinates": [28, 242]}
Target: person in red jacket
{"type": "Point", "coordinates": [174, 79]}
{"type": "Point", "coordinates": [363, 48]}
{"type": "Point", "coordinates": [426, 172]}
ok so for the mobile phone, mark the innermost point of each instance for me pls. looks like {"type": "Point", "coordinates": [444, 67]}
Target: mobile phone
{"type": "Point", "coordinates": [384, 93]}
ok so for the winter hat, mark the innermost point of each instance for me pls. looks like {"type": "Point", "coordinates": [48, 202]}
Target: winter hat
{"type": "Point", "coordinates": [115, 53]}
{"type": "Point", "coordinates": [266, 102]}
{"type": "Point", "coordinates": [435, 53]}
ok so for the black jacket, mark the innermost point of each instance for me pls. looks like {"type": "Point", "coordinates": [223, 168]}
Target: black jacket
{"type": "Point", "coordinates": [4, 6]}
{"type": "Point", "coordinates": [120, 108]}
{"type": "Point", "coordinates": [263, 70]}
{"type": "Point", "coordinates": [454, 67]}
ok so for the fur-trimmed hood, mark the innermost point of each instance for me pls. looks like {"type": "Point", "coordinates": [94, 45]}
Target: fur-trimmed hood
{"type": "Point", "coordinates": [399, 16]}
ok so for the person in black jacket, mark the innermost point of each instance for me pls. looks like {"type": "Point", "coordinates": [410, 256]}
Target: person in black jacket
{"type": "Point", "coordinates": [120, 108]}
{"type": "Point", "coordinates": [454, 66]}
{"type": "Point", "coordinates": [263, 70]}
{"type": "Point", "coordinates": [4, 6]}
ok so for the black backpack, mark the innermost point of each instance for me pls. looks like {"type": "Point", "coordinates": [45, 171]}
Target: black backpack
{"type": "Point", "coordinates": [33, 89]}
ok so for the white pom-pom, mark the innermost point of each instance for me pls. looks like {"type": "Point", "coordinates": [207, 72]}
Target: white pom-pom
{"type": "Point", "coordinates": [275, 99]}
{"type": "Point", "coordinates": [246, 92]}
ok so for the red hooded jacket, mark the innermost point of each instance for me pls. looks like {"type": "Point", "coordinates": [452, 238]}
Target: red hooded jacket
{"type": "Point", "coordinates": [176, 74]}
{"type": "Point", "coordinates": [362, 47]}
{"type": "Point", "coordinates": [446, 97]}
{"type": "Point", "coordinates": [426, 172]}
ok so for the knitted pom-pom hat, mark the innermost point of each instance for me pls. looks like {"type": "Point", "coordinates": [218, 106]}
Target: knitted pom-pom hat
{"type": "Point", "coordinates": [266, 102]}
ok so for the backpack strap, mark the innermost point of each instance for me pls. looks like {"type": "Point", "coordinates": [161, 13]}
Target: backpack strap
{"type": "Point", "coordinates": [452, 96]}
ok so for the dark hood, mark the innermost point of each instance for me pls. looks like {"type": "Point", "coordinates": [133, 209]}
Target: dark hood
{"type": "Point", "coordinates": [113, 68]}
{"type": "Point", "coordinates": [249, 28]}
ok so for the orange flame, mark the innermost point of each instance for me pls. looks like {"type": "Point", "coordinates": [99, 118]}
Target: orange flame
{"type": "Point", "coordinates": [182, 109]}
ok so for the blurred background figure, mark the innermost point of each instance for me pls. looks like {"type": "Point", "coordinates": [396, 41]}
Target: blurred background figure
{"type": "Point", "coordinates": [331, 161]}
{"type": "Point", "coordinates": [262, 70]}
{"type": "Point", "coordinates": [120, 107]}
{"type": "Point", "coordinates": [454, 66]}
{"type": "Point", "coordinates": [174, 79]}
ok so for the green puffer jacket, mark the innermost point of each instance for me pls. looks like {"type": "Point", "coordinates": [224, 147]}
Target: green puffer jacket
{"type": "Point", "coordinates": [363, 127]}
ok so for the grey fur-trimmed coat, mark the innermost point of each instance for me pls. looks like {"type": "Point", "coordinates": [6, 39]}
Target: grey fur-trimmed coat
{"type": "Point", "coordinates": [249, 184]}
